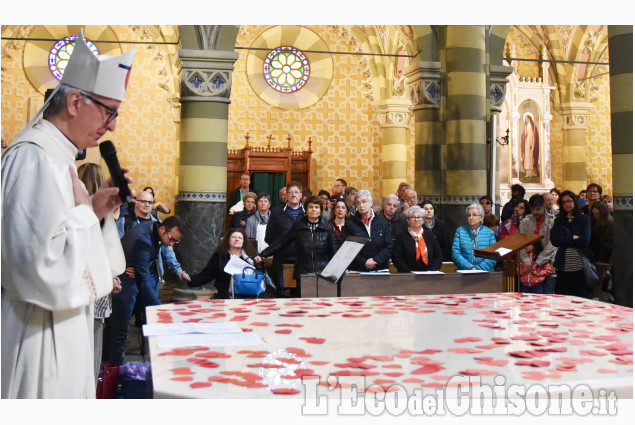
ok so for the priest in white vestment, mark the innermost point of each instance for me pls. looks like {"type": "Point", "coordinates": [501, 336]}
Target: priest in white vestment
{"type": "Point", "coordinates": [60, 247]}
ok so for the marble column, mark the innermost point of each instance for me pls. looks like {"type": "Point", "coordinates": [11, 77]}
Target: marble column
{"type": "Point", "coordinates": [621, 82]}
{"type": "Point", "coordinates": [465, 150]}
{"type": "Point", "coordinates": [205, 90]}
{"type": "Point", "coordinates": [424, 87]}
{"type": "Point", "coordinates": [394, 115]}
{"type": "Point", "coordinates": [576, 119]}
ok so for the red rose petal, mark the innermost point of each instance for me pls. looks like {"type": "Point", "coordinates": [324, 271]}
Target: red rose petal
{"type": "Point", "coordinates": [283, 331]}
{"type": "Point", "coordinates": [464, 350]}
{"type": "Point", "coordinates": [427, 369]}
{"type": "Point", "coordinates": [285, 391]}
{"type": "Point", "coordinates": [182, 378]}
{"type": "Point", "coordinates": [214, 354]}
{"type": "Point", "coordinates": [200, 384]}
{"type": "Point", "coordinates": [182, 371]}
{"type": "Point", "coordinates": [534, 363]}
{"type": "Point", "coordinates": [313, 340]}
{"type": "Point", "coordinates": [468, 339]}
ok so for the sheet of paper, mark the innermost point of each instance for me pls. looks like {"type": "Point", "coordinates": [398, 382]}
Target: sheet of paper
{"type": "Point", "coordinates": [382, 271]}
{"type": "Point", "coordinates": [502, 251]}
{"type": "Point", "coordinates": [342, 259]}
{"type": "Point", "coordinates": [209, 340]}
{"type": "Point", "coordinates": [190, 328]}
{"type": "Point", "coordinates": [236, 265]}
{"type": "Point", "coordinates": [428, 272]}
{"type": "Point", "coordinates": [471, 271]}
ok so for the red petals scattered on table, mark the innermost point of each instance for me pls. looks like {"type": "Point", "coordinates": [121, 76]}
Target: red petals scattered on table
{"type": "Point", "coordinates": [313, 340]}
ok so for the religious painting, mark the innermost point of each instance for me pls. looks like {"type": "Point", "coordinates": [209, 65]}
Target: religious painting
{"type": "Point", "coordinates": [529, 143]}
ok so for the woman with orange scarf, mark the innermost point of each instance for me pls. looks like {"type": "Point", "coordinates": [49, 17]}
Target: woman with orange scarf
{"type": "Point", "coordinates": [416, 248]}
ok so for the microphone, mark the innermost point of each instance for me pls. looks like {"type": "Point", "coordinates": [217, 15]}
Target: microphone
{"type": "Point", "coordinates": [109, 154]}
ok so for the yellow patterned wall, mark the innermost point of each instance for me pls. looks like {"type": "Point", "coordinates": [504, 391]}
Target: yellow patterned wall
{"type": "Point", "coordinates": [146, 134]}
{"type": "Point", "coordinates": [599, 152]}
{"type": "Point", "coordinates": [343, 125]}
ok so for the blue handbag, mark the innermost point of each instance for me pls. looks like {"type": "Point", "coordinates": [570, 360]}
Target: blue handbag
{"type": "Point", "coordinates": [248, 283]}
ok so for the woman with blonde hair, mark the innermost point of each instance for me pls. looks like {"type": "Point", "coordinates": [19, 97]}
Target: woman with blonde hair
{"type": "Point", "coordinates": [249, 208]}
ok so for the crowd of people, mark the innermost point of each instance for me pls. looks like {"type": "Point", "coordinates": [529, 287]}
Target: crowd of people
{"type": "Point", "coordinates": [406, 234]}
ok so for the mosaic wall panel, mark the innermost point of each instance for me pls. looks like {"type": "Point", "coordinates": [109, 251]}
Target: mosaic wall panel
{"type": "Point", "coordinates": [146, 135]}
{"type": "Point", "coordinates": [343, 124]}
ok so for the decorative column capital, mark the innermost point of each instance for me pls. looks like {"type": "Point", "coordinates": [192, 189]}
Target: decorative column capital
{"type": "Point", "coordinates": [575, 115]}
{"type": "Point", "coordinates": [207, 75]}
{"type": "Point", "coordinates": [424, 84]}
{"type": "Point", "coordinates": [394, 113]}
{"type": "Point", "coordinates": [498, 85]}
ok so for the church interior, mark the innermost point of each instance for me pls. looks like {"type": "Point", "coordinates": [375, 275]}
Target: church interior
{"type": "Point", "coordinates": [373, 104]}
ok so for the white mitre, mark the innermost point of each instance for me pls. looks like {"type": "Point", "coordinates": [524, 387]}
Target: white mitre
{"type": "Point", "coordinates": [103, 75]}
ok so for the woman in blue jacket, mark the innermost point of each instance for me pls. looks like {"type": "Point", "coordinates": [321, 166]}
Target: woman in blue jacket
{"type": "Point", "coordinates": [571, 233]}
{"type": "Point", "coordinates": [473, 235]}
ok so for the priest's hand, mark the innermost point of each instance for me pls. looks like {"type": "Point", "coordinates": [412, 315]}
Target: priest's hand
{"type": "Point", "coordinates": [116, 285]}
{"type": "Point", "coordinates": [106, 199]}
{"type": "Point", "coordinates": [79, 189]}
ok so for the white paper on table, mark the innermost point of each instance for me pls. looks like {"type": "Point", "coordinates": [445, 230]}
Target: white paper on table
{"type": "Point", "coordinates": [382, 271]}
{"type": "Point", "coordinates": [428, 272]}
{"type": "Point", "coordinates": [189, 328]}
{"type": "Point", "coordinates": [209, 340]}
{"type": "Point", "coordinates": [503, 251]}
{"type": "Point", "coordinates": [236, 265]}
{"type": "Point", "coordinates": [471, 271]}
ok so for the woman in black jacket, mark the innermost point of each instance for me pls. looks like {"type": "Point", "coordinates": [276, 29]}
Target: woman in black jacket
{"type": "Point", "coordinates": [571, 233]}
{"type": "Point", "coordinates": [234, 242]}
{"type": "Point", "coordinates": [416, 248]}
{"type": "Point", "coordinates": [315, 241]}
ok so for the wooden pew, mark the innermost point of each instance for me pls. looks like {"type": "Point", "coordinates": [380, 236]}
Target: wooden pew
{"type": "Point", "coordinates": [361, 285]}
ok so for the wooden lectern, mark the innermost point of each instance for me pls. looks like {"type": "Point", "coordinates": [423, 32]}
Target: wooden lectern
{"type": "Point", "coordinates": [515, 243]}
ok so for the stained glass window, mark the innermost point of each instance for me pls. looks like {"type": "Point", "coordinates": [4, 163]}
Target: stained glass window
{"type": "Point", "coordinates": [61, 53]}
{"type": "Point", "coordinates": [286, 69]}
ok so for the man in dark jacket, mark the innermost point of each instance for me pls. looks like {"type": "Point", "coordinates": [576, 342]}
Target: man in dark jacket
{"type": "Point", "coordinates": [281, 219]}
{"type": "Point", "coordinates": [237, 195]}
{"type": "Point", "coordinates": [365, 224]}
{"type": "Point", "coordinates": [141, 246]}
{"type": "Point", "coordinates": [390, 212]}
